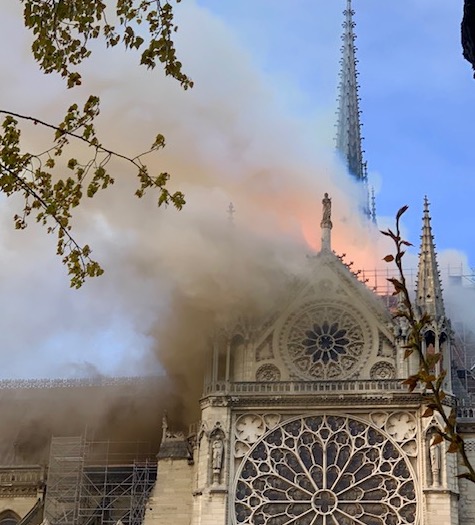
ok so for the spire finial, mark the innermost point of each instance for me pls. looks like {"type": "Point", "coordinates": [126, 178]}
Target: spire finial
{"type": "Point", "coordinates": [426, 205]}
{"type": "Point", "coordinates": [429, 290]}
{"type": "Point", "coordinates": [326, 223]}
{"type": "Point", "coordinates": [348, 138]}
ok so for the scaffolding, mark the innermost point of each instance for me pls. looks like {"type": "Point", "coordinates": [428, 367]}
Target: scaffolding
{"type": "Point", "coordinates": [377, 279]}
{"type": "Point", "coordinates": [98, 483]}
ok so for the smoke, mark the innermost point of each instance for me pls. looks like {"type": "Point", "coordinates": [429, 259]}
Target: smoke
{"type": "Point", "coordinates": [172, 276]}
{"type": "Point", "coordinates": [120, 412]}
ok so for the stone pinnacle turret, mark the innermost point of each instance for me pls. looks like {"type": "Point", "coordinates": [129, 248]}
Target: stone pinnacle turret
{"type": "Point", "coordinates": [429, 290]}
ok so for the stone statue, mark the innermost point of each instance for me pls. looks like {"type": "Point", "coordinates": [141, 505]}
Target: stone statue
{"type": "Point", "coordinates": [327, 212]}
{"type": "Point", "coordinates": [435, 459]}
{"type": "Point", "coordinates": [217, 455]}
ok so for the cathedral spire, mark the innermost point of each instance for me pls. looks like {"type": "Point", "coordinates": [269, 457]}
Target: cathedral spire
{"type": "Point", "coordinates": [348, 139]}
{"type": "Point", "coordinates": [429, 290]}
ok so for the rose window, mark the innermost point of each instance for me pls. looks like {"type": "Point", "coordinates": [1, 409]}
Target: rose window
{"type": "Point", "coordinates": [324, 342]}
{"type": "Point", "coordinates": [325, 470]}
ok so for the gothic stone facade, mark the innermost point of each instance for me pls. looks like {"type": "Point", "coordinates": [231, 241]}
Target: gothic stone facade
{"type": "Point", "coordinates": [305, 422]}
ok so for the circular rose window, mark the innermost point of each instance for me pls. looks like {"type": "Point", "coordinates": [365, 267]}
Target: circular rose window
{"type": "Point", "coordinates": [324, 342]}
{"type": "Point", "coordinates": [325, 470]}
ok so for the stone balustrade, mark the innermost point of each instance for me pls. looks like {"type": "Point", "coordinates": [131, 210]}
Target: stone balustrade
{"type": "Point", "coordinates": [306, 387]}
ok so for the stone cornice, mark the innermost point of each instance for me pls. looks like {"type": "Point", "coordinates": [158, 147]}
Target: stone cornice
{"type": "Point", "coordinates": [24, 481]}
{"type": "Point", "coordinates": [321, 401]}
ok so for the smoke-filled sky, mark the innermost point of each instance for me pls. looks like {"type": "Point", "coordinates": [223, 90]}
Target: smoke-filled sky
{"type": "Point", "coordinates": [256, 130]}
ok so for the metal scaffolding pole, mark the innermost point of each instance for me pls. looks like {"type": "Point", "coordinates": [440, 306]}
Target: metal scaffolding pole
{"type": "Point", "coordinates": [64, 480]}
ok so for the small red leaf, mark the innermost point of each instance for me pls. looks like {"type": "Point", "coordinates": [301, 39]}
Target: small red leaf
{"type": "Point", "coordinates": [401, 211]}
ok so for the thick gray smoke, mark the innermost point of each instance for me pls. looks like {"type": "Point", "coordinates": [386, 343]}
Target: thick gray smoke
{"type": "Point", "coordinates": [227, 140]}
{"type": "Point", "coordinates": [172, 276]}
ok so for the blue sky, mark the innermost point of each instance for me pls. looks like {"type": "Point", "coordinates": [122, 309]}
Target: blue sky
{"type": "Point", "coordinates": [257, 129]}
{"type": "Point", "coordinates": [417, 94]}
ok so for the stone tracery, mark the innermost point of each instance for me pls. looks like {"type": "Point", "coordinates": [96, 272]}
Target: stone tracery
{"type": "Point", "coordinates": [325, 470]}
{"type": "Point", "coordinates": [324, 341]}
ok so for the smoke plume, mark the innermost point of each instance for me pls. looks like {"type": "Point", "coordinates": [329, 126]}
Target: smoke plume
{"type": "Point", "coordinates": [172, 277]}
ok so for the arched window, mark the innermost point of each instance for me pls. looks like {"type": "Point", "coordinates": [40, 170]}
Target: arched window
{"type": "Point", "coordinates": [8, 517]}
{"type": "Point", "coordinates": [237, 358]}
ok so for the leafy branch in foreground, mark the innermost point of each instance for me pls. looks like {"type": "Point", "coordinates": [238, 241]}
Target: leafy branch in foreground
{"type": "Point", "coordinates": [51, 186]}
{"type": "Point", "coordinates": [63, 30]}
{"type": "Point", "coordinates": [431, 382]}
{"type": "Point", "coordinates": [52, 198]}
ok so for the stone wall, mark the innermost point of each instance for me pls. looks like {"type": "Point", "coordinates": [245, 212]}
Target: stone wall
{"type": "Point", "coordinates": [170, 501]}
{"type": "Point", "coordinates": [21, 505]}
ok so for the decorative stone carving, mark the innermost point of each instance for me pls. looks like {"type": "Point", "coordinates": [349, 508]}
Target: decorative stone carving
{"type": "Point", "coordinates": [410, 448]}
{"type": "Point", "coordinates": [268, 372]}
{"type": "Point", "coordinates": [435, 421]}
{"type": "Point", "coordinates": [264, 350]}
{"type": "Point", "coordinates": [240, 449]}
{"type": "Point", "coordinates": [21, 481]}
{"type": "Point", "coordinates": [386, 347]}
{"type": "Point", "coordinates": [401, 426]}
{"type": "Point", "coordinates": [169, 435]}
{"type": "Point", "coordinates": [325, 286]}
{"type": "Point", "coordinates": [382, 370]}
{"type": "Point", "coordinates": [271, 420]}
{"type": "Point", "coordinates": [379, 418]}
{"type": "Point", "coordinates": [218, 450]}
{"type": "Point", "coordinates": [325, 341]}
{"type": "Point", "coordinates": [249, 428]}
{"type": "Point", "coordinates": [216, 447]}
{"type": "Point", "coordinates": [203, 431]}
{"type": "Point", "coordinates": [322, 470]}
{"type": "Point", "coordinates": [326, 212]}
{"type": "Point", "coordinates": [435, 458]}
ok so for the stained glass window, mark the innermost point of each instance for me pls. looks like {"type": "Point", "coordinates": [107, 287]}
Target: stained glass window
{"type": "Point", "coordinates": [325, 342]}
{"type": "Point", "coordinates": [325, 470]}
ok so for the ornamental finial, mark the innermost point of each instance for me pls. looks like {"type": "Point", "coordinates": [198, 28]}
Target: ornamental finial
{"type": "Point", "coordinates": [326, 223]}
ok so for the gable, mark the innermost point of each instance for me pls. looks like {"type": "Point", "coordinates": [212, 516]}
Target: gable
{"type": "Point", "coordinates": [333, 328]}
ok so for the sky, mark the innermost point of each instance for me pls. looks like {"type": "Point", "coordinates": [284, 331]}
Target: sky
{"type": "Point", "coordinates": [417, 95]}
{"type": "Point", "coordinates": [258, 130]}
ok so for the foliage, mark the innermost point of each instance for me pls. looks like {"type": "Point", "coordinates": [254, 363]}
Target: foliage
{"type": "Point", "coordinates": [431, 382]}
{"type": "Point", "coordinates": [53, 183]}
{"type": "Point", "coordinates": [468, 32]}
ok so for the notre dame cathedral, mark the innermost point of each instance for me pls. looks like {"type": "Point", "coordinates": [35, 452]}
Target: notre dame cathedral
{"type": "Point", "coordinates": [304, 417]}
